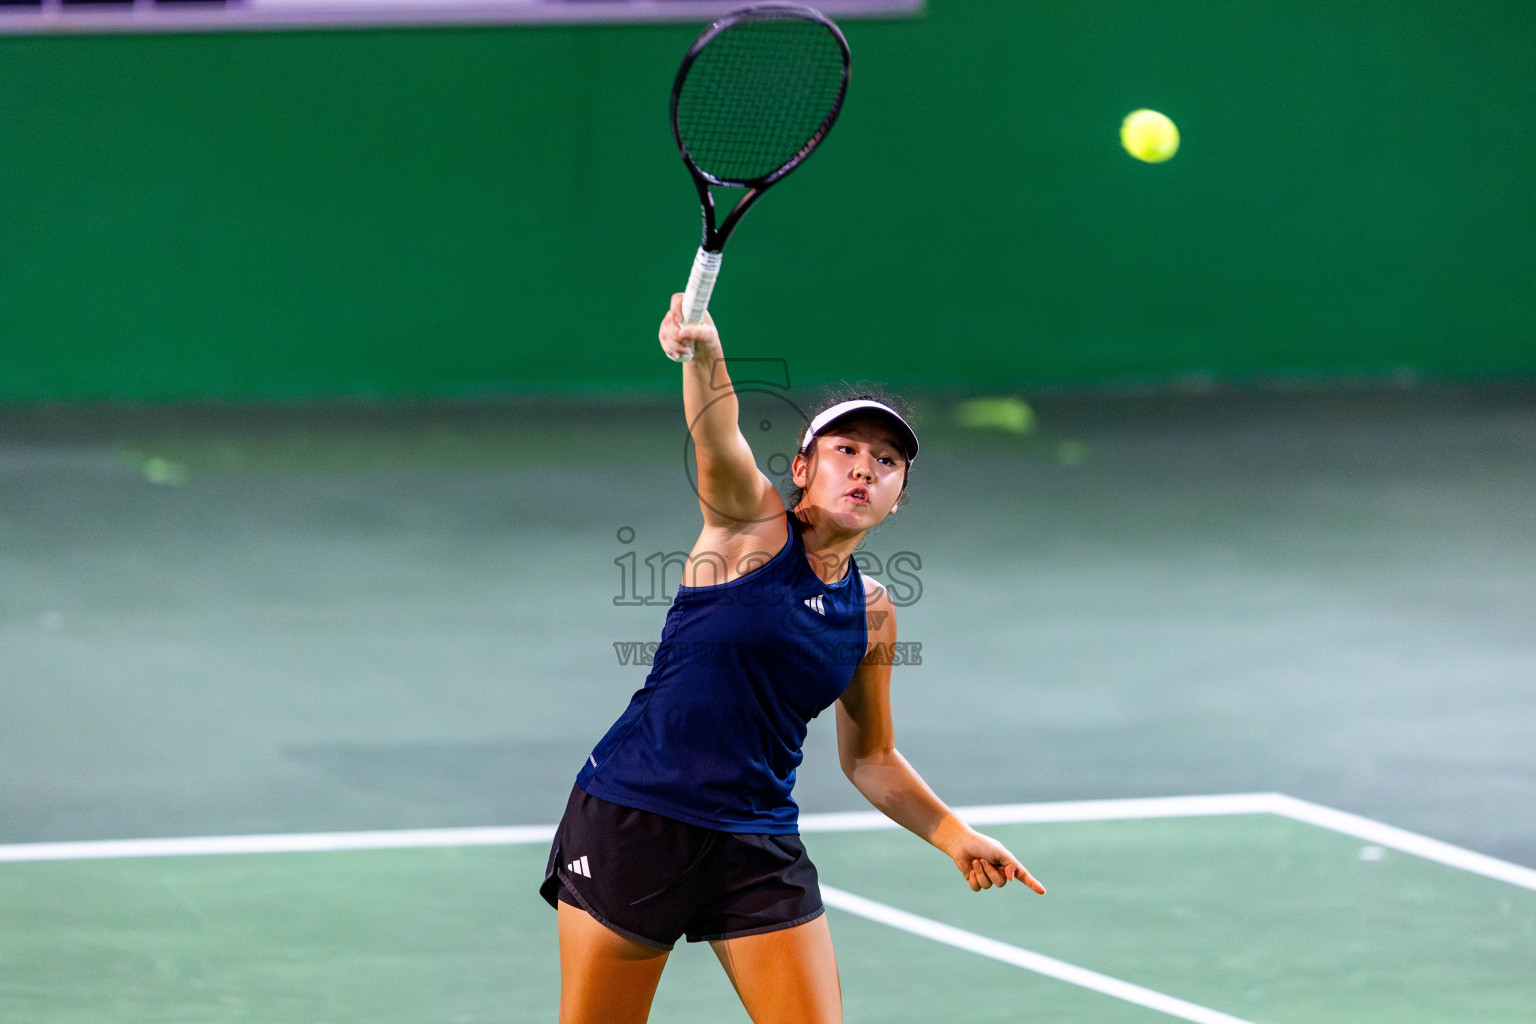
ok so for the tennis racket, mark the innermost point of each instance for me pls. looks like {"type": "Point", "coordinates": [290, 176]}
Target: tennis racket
{"type": "Point", "coordinates": [757, 92]}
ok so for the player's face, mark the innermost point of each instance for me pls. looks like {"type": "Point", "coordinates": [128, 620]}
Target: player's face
{"type": "Point", "coordinates": [857, 474]}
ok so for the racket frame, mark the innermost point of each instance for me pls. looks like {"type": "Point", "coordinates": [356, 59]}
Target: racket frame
{"type": "Point", "coordinates": [706, 263]}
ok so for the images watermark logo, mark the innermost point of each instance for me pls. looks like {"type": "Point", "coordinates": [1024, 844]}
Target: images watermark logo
{"type": "Point", "coordinates": [653, 579]}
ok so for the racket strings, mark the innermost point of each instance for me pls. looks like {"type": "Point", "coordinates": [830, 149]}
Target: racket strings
{"type": "Point", "coordinates": [758, 96]}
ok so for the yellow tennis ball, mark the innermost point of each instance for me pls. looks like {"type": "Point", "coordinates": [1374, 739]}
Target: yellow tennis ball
{"type": "Point", "coordinates": [1149, 136]}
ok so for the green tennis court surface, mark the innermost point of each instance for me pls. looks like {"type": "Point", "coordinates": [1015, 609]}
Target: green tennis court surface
{"type": "Point", "coordinates": [1248, 917]}
{"type": "Point", "coordinates": [326, 620]}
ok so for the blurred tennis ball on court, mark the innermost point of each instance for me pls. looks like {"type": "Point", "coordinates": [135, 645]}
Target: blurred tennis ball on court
{"type": "Point", "coordinates": [1009, 414]}
{"type": "Point", "coordinates": [1149, 136]}
{"type": "Point", "coordinates": [162, 471]}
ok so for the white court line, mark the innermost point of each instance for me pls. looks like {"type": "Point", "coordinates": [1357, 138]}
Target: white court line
{"type": "Point", "coordinates": [1401, 839]}
{"type": "Point", "coordinates": [297, 842]}
{"type": "Point", "coordinates": [855, 821]}
{"type": "Point", "coordinates": [852, 821]}
{"type": "Point", "coordinates": [1069, 810]}
{"type": "Point", "coordinates": [1019, 957]}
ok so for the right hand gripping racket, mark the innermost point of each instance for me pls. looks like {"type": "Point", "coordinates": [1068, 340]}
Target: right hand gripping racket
{"type": "Point", "coordinates": [757, 92]}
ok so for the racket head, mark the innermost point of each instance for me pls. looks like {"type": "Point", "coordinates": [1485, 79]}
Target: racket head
{"type": "Point", "coordinates": [757, 92]}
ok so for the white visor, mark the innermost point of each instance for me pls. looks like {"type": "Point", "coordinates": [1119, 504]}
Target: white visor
{"type": "Point", "coordinates": [828, 417]}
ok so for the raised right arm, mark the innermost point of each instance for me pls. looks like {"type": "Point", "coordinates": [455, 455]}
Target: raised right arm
{"type": "Point", "coordinates": [733, 492]}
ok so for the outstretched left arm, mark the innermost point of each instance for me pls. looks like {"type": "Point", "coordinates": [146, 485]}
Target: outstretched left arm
{"type": "Point", "coordinates": [866, 744]}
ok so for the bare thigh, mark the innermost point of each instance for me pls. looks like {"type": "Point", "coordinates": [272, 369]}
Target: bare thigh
{"type": "Point", "coordinates": [604, 977]}
{"type": "Point", "coordinates": [787, 976]}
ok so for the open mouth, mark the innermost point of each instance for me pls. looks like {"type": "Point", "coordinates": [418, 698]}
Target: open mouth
{"type": "Point", "coordinates": [859, 495]}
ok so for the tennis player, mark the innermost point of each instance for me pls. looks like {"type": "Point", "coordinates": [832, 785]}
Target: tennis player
{"type": "Point", "coordinates": [681, 823]}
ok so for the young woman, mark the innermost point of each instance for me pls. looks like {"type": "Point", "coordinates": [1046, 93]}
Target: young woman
{"type": "Point", "coordinates": [681, 822]}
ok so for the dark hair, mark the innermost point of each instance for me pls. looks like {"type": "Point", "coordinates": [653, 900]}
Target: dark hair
{"type": "Point", "coordinates": [836, 394]}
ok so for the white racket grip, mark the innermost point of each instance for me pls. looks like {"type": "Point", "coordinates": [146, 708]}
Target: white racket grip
{"type": "Point", "coordinates": [701, 284]}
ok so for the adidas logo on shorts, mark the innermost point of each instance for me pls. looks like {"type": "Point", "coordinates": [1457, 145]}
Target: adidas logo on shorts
{"type": "Point", "coordinates": [579, 867]}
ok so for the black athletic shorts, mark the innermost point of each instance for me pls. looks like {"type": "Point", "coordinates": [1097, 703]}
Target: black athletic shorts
{"type": "Point", "coordinates": [652, 879]}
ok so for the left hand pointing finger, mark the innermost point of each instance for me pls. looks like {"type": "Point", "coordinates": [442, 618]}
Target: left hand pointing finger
{"type": "Point", "coordinates": [1016, 870]}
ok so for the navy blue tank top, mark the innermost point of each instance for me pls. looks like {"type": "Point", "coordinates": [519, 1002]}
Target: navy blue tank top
{"type": "Point", "coordinates": [713, 738]}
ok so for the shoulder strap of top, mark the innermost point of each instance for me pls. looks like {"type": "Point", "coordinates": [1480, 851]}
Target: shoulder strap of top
{"type": "Point", "coordinates": [795, 527]}
{"type": "Point", "coordinates": [797, 544]}
{"type": "Point", "coordinates": [854, 578]}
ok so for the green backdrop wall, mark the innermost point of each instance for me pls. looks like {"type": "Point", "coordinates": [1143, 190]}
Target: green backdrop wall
{"type": "Point", "coordinates": [462, 211]}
